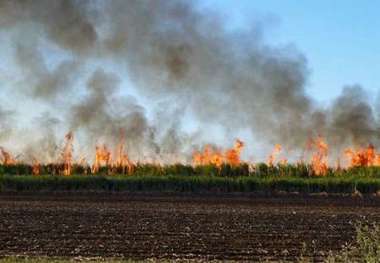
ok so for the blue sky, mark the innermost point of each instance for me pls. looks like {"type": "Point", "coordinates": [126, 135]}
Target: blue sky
{"type": "Point", "coordinates": [340, 38]}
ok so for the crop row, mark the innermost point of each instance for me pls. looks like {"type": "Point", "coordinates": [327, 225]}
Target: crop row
{"type": "Point", "coordinates": [226, 170]}
{"type": "Point", "coordinates": [190, 184]}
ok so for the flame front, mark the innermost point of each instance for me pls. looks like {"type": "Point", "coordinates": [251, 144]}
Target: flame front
{"type": "Point", "coordinates": [7, 158]}
{"type": "Point", "coordinates": [122, 160]}
{"type": "Point", "coordinates": [363, 156]}
{"type": "Point", "coordinates": [272, 157]}
{"type": "Point", "coordinates": [233, 155]}
{"type": "Point", "coordinates": [67, 154]}
{"type": "Point", "coordinates": [102, 158]}
{"type": "Point", "coordinates": [36, 167]}
{"type": "Point", "coordinates": [211, 156]}
{"type": "Point", "coordinates": [116, 160]}
{"type": "Point", "coordinates": [319, 159]}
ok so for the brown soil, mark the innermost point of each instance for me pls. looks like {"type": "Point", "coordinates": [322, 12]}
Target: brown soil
{"type": "Point", "coordinates": [185, 227]}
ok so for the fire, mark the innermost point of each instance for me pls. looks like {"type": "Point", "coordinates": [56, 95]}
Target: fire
{"type": "Point", "coordinates": [208, 156]}
{"type": "Point", "coordinates": [7, 158]}
{"type": "Point", "coordinates": [319, 159]}
{"type": "Point", "coordinates": [67, 154]}
{"type": "Point", "coordinates": [36, 167]}
{"type": "Point", "coordinates": [82, 161]}
{"type": "Point", "coordinates": [117, 161]}
{"type": "Point", "coordinates": [211, 156]}
{"type": "Point", "coordinates": [233, 155]}
{"type": "Point", "coordinates": [363, 157]}
{"type": "Point", "coordinates": [284, 161]}
{"type": "Point", "coordinates": [272, 157]}
{"type": "Point", "coordinates": [122, 159]}
{"type": "Point", "coordinates": [102, 157]}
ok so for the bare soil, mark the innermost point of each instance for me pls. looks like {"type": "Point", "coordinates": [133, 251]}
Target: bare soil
{"type": "Point", "coordinates": [140, 226]}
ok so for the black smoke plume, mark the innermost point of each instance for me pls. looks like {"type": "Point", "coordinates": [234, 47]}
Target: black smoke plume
{"type": "Point", "coordinates": [175, 55]}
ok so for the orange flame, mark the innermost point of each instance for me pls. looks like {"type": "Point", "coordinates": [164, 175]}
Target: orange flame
{"type": "Point", "coordinates": [319, 159]}
{"type": "Point", "coordinates": [7, 158]}
{"type": "Point", "coordinates": [102, 157]}
{"type": "Point", "coordinates": [118, 161]}
{"type": "Point", "coordinates": [233, 155]}
{"type": "Point", "coordinates": [272, 157]}
{"type": "Point", "coordinates": [363, 157]}
{"type": "Point", "coordinates": [122, 159]}
{"type": "Point", "coordinates": [67, 154]}
{"type": "Point", "coordinates": [211, 156]}
{"type": "Point", "coordinates": [284, 161]}
{"type": "Point", "coordinates": [35, 167]}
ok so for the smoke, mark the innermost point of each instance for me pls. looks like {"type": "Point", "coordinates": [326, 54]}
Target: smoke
{"type": "Point", "coordinates": [180, 56]}
{"type": "Point", "coordinates": [353, 118]}
{"type": "Point", "coordinates": [6, 119]}
{"type": "Point", "coordinates": [63, 21]}
{"type": "Point", "coordinates": [99, 112]}
{"type": "Point", "coordinates": [231, 79]}
{"type": "Point", "coordinates": [44, 84]}
{"type": "Point", "coordinates": [45, 145]}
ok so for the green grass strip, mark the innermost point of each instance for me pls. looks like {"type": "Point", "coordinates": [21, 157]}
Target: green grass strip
{"type": "Point", "coordinates": [190, 184]}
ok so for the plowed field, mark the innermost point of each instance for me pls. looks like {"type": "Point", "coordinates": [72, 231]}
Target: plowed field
{"type": "Point", "coordinates": [185, 227]}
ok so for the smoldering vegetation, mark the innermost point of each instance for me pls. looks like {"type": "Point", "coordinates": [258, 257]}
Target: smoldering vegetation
{"type": "Point", "coordinates": [182, 57]}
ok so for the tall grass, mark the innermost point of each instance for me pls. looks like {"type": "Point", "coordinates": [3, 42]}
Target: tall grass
{"type": "Point", "coordinates": [186, 178]}
{"type": "Point", "coordinates": [267, 185]}
{"type": "Point", "coordinates": [226, 170]}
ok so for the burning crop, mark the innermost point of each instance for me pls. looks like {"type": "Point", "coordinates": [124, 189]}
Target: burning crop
{"type": "Point", "coordinates": [217, 157]}
{"type": "Point", "coordinates": [71, 60]}
{"type": "Point", "coordinates": [363, 157]}
{"type": "Point", "coordinates": [6, 157]}
{"type": "Point", "coordinates": [272, 157]}
{"type": "Point", "coordinates": [210, 160]}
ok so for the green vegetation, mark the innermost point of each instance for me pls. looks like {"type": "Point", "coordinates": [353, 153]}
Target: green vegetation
{"type": "Point", "coordinates": [366, 247]}
{"type": "Point", "coordinates": [269, 184]}
{"type": "Point", "coordinates": [226, 170]}
{"type": "Point", "coordinates": [186, 178]}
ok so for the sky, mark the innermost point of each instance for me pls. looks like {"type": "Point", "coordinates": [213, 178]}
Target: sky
{"type": "Point", "coordinates": [340, 38]}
